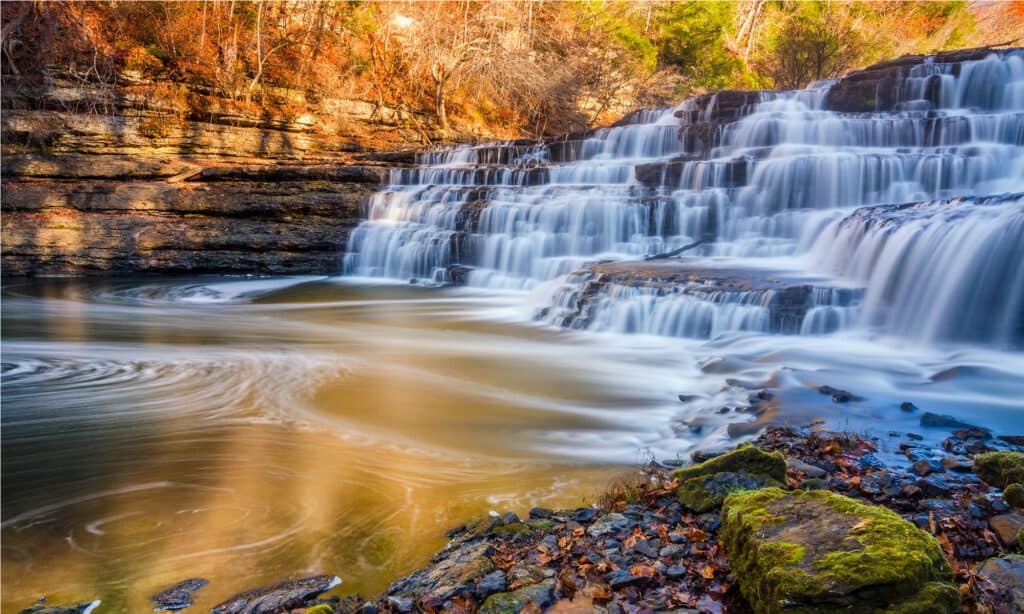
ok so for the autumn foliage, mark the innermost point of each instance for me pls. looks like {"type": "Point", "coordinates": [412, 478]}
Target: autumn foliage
{"type": "Point", "coordinates": [521, 66]}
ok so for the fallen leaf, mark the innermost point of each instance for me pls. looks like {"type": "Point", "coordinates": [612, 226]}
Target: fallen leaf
{"type": "Point", "coordinates": [643, 571]}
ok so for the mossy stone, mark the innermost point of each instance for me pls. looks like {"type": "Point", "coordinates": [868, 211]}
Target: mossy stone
{"type": "Point", "coordinates": [1000, 469]}
{"type": "Point", "coordinates": [323, 608]}
{"type": "Point", "coordinates": [512, 530]}
{"type": "Point", "coordinates": [1013, 494]}
{"type": "Point", "coordinates": [513, 602]}
{"type": "Point", "coordinates": [705, 486]}
{"type": "Point", "coordinates": [744, 459]}
{"type": "Point", "coordinates": [818, 551]}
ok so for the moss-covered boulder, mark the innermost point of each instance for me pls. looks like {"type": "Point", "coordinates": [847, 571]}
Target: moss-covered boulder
{"type": "Point", "coordinates": [802, 552]}
{"type": "Point", "coordinates": [1000, 469]}
{"type": "Point", "coordinates": [1013, 494]}
{"type": "Point", "coordinates": [513, 602]}
{"type": "Point", "coordinates": [704, 486]}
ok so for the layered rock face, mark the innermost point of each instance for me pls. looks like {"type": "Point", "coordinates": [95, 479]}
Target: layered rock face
{"type": "Point", "coordinates": [111, 181]}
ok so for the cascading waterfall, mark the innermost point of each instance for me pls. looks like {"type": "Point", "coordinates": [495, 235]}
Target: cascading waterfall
{"type": "Point", "coordinates": [771, 182]}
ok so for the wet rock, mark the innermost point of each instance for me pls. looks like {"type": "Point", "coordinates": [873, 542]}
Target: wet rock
{"type": "Point", "coordinates": [542, 594]}
{"type": "Point", "coordinates": [178, 596]}
{"type": "Point", "coordinates": [839, 396]}
{"type": "Point", "coordinates": [540, 513]}
{"type": "Point", "coordinates": [510, 518]}
{"type": "Point", "coordinates": [1013, 440]}
{"type": "Point", "coordinates": [81, 608]}
{"type": "Point", "coordinates": [1008, 528]}
{"type": "Point", "coordinates": [368, 607]}
{"type": "Point", "coordinates": [686, 398]}
{"type": "Point", "coordinates": [493, 582]}
{"type": "Point", "coordinates": [943, 421]}
{"type": "Point", "coordinates": [584, 514]}
{"type": "Point", "coordinates": [818, 551]}
{"type": "Point", "coordinates": [1000, 469]}
{"type": "Point", "coordinates": [973, 433]}
{"type": "Point", "coordinates": [609, 524]}
{"type": "Point", "coordinates": [646, 548]}
{"type": "Point", "coordinates": [676, 571]}
{"type": "Point", "coordinates": [814, 484]}
{"type": "Point", "coordinates": [908, 406]}
{"type": "Point", "coordinates": [926, 467]}
{"type": "Point", "coordinates": [870, 461]}
{"type": "Point", "coordinates": [914, 437]}
{"type": "Point", "coordinates": [621, 578]}
{"type": "Point", "coordinates": [400, 604]}
{"type": "Point", "coordinates": [933, 487]}
{"type": "Point", "coordinates": [527, 574]}
{"type": "Point", "coordinates": [705, 486]}
{"type": "Point", "coordinates": [550, 542]}
{"type": "Point", "coordinates": [276, 597]}
{"type": "Point", "coordinates": [1006, 573]}
{"type": "Point", "coordinates": [807, 469]}
{"type": "Point", "coordinates": [670, 551]}
{"type": "Point", "coordinates": [959, 464]}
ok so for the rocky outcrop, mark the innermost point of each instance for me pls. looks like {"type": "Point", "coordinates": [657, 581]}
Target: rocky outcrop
{"type": "Point", "coordinates": [137, 179]}
{"type": "Point", "coordinates": [225, 220]}
{"type": "Point", "coordinates": [881, 87]}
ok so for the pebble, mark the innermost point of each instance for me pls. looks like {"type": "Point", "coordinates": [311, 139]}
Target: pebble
{"type": "Point", "coordinates": [805, 468]}
{"type": "Point", "coordinates": [915, 437]}
{"type": "Point", "coordinates": [960, 464]}
{"type": "Point", "coordinates": [671, 551]}
{"type": "Point", "coordinates": [621, 578]}
{"type": "Point", "coordinates": [676, 571]}
{"type": "Point", "coordinates": [646, 548]}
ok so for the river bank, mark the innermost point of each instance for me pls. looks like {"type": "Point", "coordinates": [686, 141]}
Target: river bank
{"type": "Point", "coordinates": [667, 539]}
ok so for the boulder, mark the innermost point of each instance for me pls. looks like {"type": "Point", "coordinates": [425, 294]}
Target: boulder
{"type": "Point", "coordinates": [1000, 469]}
{"type": "Point", "coordinates": [703, 487]}
{"type": "Point", "coordinates": [1009, 527]}
{"type": "Point", "coordinates": [1006, 573]}
{"type": "Point", "coordinates": [513, 602]}
{"type": "Point", "coordinates": [802, 552]}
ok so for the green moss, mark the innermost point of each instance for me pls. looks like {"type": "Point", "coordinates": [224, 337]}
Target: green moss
{"type": "Point", "coordinates": [540, 524]}
{"type": "Point", "coordinates": [1000, 469]}
{"type": "Point", "coordinates": [819, 552]}
{"type": "Point", "coordinates": [513, 602]}
{"type": "Point", "coordinates": [1013, 494]}
{"type": "Point", "coordinates": [704, 493]}
{"type": "Point", "coordinates": [512, 530]}
{"type": "Point", "coordinates": [323, 608]}
{"type": "Point", "coordinates": [703, 487]}
{"type": "Point", "coordinates": [744, 459]}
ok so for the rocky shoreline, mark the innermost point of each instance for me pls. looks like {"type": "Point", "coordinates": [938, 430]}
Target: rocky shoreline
{"type": "Point", "coordinates": [799, 520]}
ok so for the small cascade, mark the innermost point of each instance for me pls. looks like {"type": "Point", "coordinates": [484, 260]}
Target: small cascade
{"type": "Point", "coordinates": [804, 185]}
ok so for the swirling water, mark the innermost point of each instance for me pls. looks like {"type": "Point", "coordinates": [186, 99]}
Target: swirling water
{"type": "Point", "coordinates": [246, 430]}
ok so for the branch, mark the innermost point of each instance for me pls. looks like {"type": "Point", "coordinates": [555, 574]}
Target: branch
{"type": "Point", "coordinates": [676, 252]}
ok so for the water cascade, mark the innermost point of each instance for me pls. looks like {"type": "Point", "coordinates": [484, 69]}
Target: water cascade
{"type": "Point", "coordinates": [889, 199]}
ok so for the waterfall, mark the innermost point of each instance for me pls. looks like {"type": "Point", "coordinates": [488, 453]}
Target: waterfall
{"type": "Point", "coordinates": [906, 218]}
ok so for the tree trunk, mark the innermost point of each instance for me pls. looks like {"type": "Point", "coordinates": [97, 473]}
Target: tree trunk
{"type": "Point", "coordinates": [439, 106]}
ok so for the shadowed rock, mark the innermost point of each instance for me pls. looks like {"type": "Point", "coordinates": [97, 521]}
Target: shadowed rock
{"type": "Point", "coordinates": [179, 596]}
